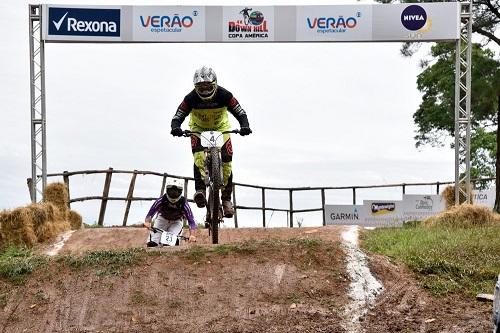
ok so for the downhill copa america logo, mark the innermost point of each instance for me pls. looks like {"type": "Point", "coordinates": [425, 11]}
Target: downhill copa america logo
{"type": "Point", "coordinates": [252, 25]}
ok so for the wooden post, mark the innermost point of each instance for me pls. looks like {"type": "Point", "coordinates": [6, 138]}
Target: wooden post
{"type": "Point", "coordinates": [130, 194]}
{"type": "Point", "coordinates": [323, 205]}
{"type": "Point", "coordinates": [353, 195]}
{"type": "Point", "coordinates": [291, 208]}
{"type": "Point", "coordinates": [263, 207]}
{"type": "Point", "coordinates": [30, 184]}
{"type": "Point", "coordinates": [235, 209]}
{"type": "Point", "coordinates": [105, 194]}
{"type": "Point", "coordinates": [66, 182]}
{"type": "Point", "coordinates": [162, 191]}
{"type": "Point", "coordinates": [186, 188]}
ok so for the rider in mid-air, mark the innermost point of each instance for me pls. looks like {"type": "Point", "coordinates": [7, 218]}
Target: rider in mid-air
{"type": "Point", "coordinates": [171, 208]}
{"type": "Point", "coordinates": [207, 104]}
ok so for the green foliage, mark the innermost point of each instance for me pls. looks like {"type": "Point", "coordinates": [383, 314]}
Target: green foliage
{"type": "Point", "coordinates": [108, 261]}
{"type": "Point", "coordinates": [18, 262]}
{"type": "Point", "coordinates": [435, 117]}
{"type": "Point", "coordinates": [445, 260]}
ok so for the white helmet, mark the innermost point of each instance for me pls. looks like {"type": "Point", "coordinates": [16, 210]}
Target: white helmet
{"type": "Point", "coordinates": [174, 190]}
{"type": "Point", "coordinates": [205, 82]}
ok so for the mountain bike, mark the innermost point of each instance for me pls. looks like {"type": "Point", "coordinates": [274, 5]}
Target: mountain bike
{"type": "Point", "coordinates": [212, 142]}
{"type": "Point", "coordinates": [168, 238]}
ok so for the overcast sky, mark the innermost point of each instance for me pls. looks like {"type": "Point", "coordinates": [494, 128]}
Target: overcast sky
{"type": "Point", "coordinates": [331, 114]}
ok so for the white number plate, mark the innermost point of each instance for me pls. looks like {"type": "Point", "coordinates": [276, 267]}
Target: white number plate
{"type": "Point", "coordinates": [168, 238]}
{"type": "Point", "coordinates": [212, 139]}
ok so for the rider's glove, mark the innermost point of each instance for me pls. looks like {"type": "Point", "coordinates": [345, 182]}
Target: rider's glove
{"type": "Point", "coordinates": [176, 131]}
{"type": "Point", "coordinates": [245, 131]}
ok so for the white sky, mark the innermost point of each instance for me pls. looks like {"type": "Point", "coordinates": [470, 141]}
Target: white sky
{"type": "Point", "coordinates": [322, 114]}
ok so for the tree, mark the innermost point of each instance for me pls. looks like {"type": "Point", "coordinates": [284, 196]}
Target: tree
{"type": "Point", "coordinates": [436, 113]}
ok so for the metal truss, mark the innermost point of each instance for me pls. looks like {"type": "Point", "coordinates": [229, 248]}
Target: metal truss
{"type": "Point", "coordinates": [37, 85]}
{"type": "Point", "coordinates": [463, 62]}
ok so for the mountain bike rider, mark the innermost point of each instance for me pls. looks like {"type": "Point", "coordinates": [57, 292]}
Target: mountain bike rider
{"type": "Point", "coordinates": [245, 14]}
{"type": "Point", "coordinates": [207, 104]}
{"type": "Point", "coordinates": [172, 208]}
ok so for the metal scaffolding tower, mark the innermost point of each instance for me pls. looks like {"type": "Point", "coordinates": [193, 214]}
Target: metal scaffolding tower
{"type": "Point", "coordinates": [38, 120]}
{"type": "Point", "coordinates": [463, 64]}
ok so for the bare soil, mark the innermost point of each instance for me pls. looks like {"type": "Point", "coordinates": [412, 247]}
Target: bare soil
{"type": "Point", "coordinates": [273, 286]}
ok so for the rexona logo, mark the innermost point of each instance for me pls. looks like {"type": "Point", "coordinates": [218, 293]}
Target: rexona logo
{"type": "Point", "coordinates": [84, 22]}
{"type": "Point", "coordinates": [383, 207]}
{"type": "Point", "coordinates": [251, 25]}
{"type": "Point", "coordinates": [168, 23]}
{"type": "Point", "coordinates": [339, 24]}
{"type": "Point", "coordinates": [414, 17]}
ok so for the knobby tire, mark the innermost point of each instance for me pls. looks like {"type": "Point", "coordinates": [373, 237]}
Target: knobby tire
{"type": "Point", "coordinates": [214, 194]}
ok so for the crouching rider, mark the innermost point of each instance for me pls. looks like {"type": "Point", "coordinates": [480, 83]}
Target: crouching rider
{"type": "Point", "coordinates": [172, 208]}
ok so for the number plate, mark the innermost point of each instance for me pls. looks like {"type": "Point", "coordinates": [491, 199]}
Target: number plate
{"type": "Point", "coordinates": [212, 139]}
{"type": "Point", "coordinates": [168, 238]}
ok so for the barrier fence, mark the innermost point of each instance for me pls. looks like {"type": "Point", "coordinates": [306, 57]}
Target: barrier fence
{"type": "Point", "coordinates": [290, 211]}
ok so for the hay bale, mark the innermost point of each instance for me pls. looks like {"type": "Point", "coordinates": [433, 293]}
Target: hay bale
{"type": "Point", "coordinates": [448, 195]}
{"type": "Point", "coordinates": [57, 193]}
{"type": "Point", "coordinates": [464, 216]}
{"type": "Point", "coordinates": [48, 221]}
{"type": "Point", "coordinates": [17, 228]}
{"type": "Point", "coordinates": [75, 220]}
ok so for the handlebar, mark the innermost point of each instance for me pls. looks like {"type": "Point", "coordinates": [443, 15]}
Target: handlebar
{"type": "Point", "coordinates": [187, 133]}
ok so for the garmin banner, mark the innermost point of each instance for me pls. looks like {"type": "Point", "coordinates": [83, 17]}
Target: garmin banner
{"type": "Point", "coordinates": [386, 213]}
{"type": "Point", "coordinates": [245, 23]}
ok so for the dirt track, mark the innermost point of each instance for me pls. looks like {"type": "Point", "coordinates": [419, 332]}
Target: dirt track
{"type": "Point", "coordinates": [279, 287]}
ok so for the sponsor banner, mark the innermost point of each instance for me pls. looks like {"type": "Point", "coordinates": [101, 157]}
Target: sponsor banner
{"type": "Point", "coordinates": [417, 207]}
{"type": "Point", "coordinates": [334, 23]}
{"type": "Point", "coordinates": [168, 23]}
{"type": "Point", "coordinates": [247, 23]}
{"type": "Point", "coordinates": [82, 23]}
{"type": "Point", "coordinates": [416, 22]}
{"type": "Point", "coordinates": [344, 214]}
{"type": "Point", "coordinates": [383, 213]}
{"type": "Point", "coordinates": [484, 197]}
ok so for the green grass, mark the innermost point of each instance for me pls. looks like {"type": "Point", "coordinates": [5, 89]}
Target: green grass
{"type": "Point", "coordinates": [17, 262]}
{"type": "Point", "coordinates": [447, 260]}
{"type": "Point", "coordinates": [108, 261]}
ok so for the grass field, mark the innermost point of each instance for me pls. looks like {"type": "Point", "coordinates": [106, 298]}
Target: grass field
{"type": "Point", "coordinates": [446, 260]}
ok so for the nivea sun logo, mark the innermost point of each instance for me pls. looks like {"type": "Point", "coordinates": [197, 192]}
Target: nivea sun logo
{"type": "Point", "coordinates": [413, 17]}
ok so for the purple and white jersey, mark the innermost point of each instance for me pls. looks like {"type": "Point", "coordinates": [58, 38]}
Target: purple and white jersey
{"type": "Point", "coordinates": [183, 210]}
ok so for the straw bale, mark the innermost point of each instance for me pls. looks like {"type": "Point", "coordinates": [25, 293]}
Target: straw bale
{"type": "Point", "coordinates": [17, 227]}
{"type": "Point", "coordinates": [448, 195]}
{"type": "Point", "coordinates": [75, 220]}
{"type": "Point", "coordinates": [48, 221]}
{"type": "Point", "coordinates": [57, 193]}
{"type": "Point", "coordinates": [464, 216]}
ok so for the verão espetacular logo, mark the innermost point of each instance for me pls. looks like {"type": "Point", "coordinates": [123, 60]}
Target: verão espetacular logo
{"type": "Point", "coordinates": [333, 24]}
{"type": "Point", "coordinates": [84, 22]}
{"type": "Point", "coordinates": [168, 23]}
{"type": "Point", "coordinates": [414, 17]}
